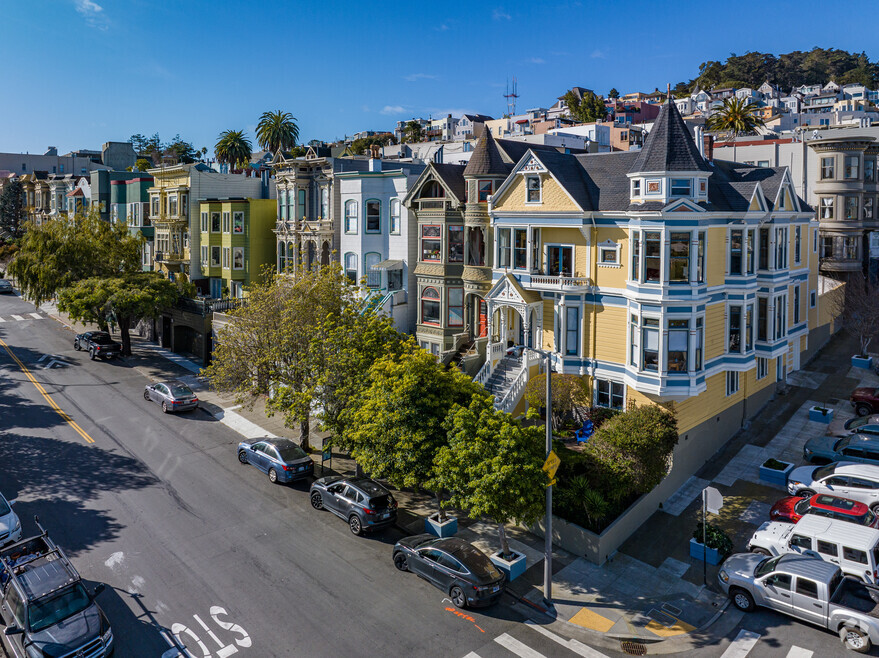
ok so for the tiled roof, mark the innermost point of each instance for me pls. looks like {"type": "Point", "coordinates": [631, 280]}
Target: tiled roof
{"type": "Point", "coordinates": [668, 146]}
{"type": "Point", "coordinates": [486, 159]}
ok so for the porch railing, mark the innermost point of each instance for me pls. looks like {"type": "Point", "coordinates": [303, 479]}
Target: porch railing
{"type": "Point", "coordinates": [512, 396]}
{"type": "Point", "coordinates": [484, 373]}
{"type": "Point", "coordinates": [560, 282]}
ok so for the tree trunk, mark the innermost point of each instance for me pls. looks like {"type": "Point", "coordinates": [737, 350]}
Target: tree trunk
{"type": "Point", "coordinates": [441, 513]}
{"type": "Point", "coordinates": [304, 427]}
{"type": "Point", "coordinates": [125, 335]}
{"type": "Point", "coordinates": [505, 546]}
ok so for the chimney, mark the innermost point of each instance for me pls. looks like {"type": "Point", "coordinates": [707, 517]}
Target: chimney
{"type": "Point", "coordinates": [708, 147]}
{"type": "Point", "coordinates": [375, 149]}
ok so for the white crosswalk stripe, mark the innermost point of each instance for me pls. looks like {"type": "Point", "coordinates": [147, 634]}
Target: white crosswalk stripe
{"type": "Point", "coordinates": [742, 645]}
{"type": "Point", "coordinates": [17, 317]}
{"type": "Point", "coordinates": [472, 654]}
{"type": "Point", "coordinates": [2, 320]}
{"type": "Point", "coordinates": [37, 316]}
{"type": "Point", "coordinates": [509, 642]}
{"type": "Point", "coordinates": [799, 652]}
{"type": "Point", "coordinates": [574, 645]}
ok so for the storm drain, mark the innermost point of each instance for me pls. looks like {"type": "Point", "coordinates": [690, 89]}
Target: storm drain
{"type": "Point", "coordinates": [672, 610]}
{"type": "Point", "coordinates": [633, 648]}
{"type": "Point", "coordinates": [661, 617]}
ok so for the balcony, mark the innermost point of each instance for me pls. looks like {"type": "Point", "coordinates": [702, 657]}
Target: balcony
{"type": "Point", "coordinates": [169, 257]}
{"type": "Point", "coordinates": [559, 283]}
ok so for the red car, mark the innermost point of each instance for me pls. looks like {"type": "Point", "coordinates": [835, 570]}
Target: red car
{"type": "Point", "coordinates": [865, 400]}
{"type": "Point", "coordinates": [793, 508]}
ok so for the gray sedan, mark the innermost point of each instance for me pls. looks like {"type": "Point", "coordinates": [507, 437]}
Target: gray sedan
{"type": "Point", "coordinates": [281, 459]}
{"type": "Point", "coordinates": [6, 287]}
{"type": "Point", "coordinates": [173, 396]}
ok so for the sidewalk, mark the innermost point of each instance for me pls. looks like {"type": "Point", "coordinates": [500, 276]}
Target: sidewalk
{"type": "Point", "coordinates": [650, 594]}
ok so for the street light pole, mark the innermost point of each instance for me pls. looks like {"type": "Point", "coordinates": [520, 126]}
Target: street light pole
{"type": "Point", "coordinates": [547, 558]}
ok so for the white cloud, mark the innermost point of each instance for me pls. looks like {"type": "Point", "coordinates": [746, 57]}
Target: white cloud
{"type": "Point", "coordinates": [365, 108]}
{"type": "Point", "coordinates": [93, 13]}
{"type": "Point", "coordinates": [442, 28]}
{"type": "Point", "coordinates": [412, 77]}
{"type": "Point", "coordinates": [598, 54]}
{"type": "Point", "coordinates": [393, 109]}
{"type": "Point", "coordinates": [500, 14]}
{"type": "Point", "coordinates": [537, 60]}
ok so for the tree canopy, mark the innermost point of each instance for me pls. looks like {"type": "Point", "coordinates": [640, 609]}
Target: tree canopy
{"type": "Point", "coordinates": [233, 148]}
{"type": "Point", "coordinates": [277, 131]}
{"type": "Point", "coordinates": [589, 108]}
{"type": "Point", "coordinates": [413, 132]}
{"type": "Point", "coordinates": [12, 217]}
{"type": "Point", "coordinates": [569, 395]}
{"type": "Point", "coordinates": [361, 145]}
{"type": "Point", "coordinates": [154, 149]}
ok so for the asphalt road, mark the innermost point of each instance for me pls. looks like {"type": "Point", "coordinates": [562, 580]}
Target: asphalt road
{"type": "Point", "coordinates": [190, 542]}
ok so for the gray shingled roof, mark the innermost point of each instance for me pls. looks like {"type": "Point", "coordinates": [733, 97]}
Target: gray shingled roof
{"type": "Point", "coordinates": [453, 177]}
{"type": "Point", "coordinates": [486, 159]}
{"type": "Point", "coordinates": [668, 146]}
{"type": "Point", "coordinates": [605, 176]}
{"type": "Point", "coordinates": [568, 172]}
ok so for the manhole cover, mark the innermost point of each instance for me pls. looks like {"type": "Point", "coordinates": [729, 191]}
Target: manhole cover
{"type": "Point", "coordinates": [672, 610]}
{"type": "Point", "coordinates": [661, 617]}
{"type": "Point", "coordinates": [633, 648]}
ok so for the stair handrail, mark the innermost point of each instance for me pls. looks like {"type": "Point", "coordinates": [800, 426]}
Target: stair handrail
{"type": "Point", "coordinates": [484, 373]}
{"type": "Point", "coordinates": [511, 397]}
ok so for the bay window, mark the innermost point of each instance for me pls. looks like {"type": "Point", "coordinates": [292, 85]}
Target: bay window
{"type": "Point", "coordinates": [572, 331]}
{"type": "Point", "coordinates": [827, 247]}
{"type": "Point", "coordinates": [734, 343]}
{"type": "Point", "coordinates": [431, 243]}
{"type": "Point", "coordinates": [781, 238]}
{"type": "Point", "coordinates": [700, 258]}
{"type": "Point", "coordinates": [762, 318]}
{"type": "Point", "coordinates": [679, 263]}
{"type": "Point", "coordinates": [636, 256]}
{"type": "Point", "coordinates": [486, 189]}
{"type": "Point", "coordinates": [634, 341]}
{"type": "Point", "coordinates": [520, 248]}
{"type": "Point", "coordinates": [827, 207]}
{"type": "Point", "coordinates": [652, 256]}
{"type": "Point", "coordinates": [700, 344]}
{"type": "Point", "coordinates": [850, 248]}
{"type": "Point", "coordinates": [172, 205]}
{"type": "Point", "coordinates": [851, 207]}
{"type": "Point", "coordinates": [851, 166]}
{"type": "Point", "coordinates": [456, 307]}
{"type": "Point", "coordinates": [681, 187]}
{"type": "Point", "coordinates": [215, 222]}
{"type": "Point", "coordinates": [456, 244]}
{"type": "Point", "coordinates": [650, 344]}
{"type": "Point", "coordinates": [797, 304]}
{"type": "Point", "coordinates": [780, 316]}
{"type": "Point", "coordinates": [798, 235]}
{"type": "Point", "coordinates": [764, 249]}
{"type": "Point", "coordinates": [749, 327]}
{"type": "Point", "coordinates": [536, 260]}
{"type": "Point", "coordinates": [430, 306]}
{"type": "Point", "coordinates": [735, 251]}
{"type": "Point", "coordinates": [677, 347]}
{"type": "Point", "coordinates": [300, 206]}
{"type": "Point", "coordinates": [827, 167]}
{"type": "Point", "coordinates": [503, 248]}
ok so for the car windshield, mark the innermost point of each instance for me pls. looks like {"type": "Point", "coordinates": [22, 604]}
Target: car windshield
{"type": "Point", "coordinates": [101, 339]}
{"type": "Point", "coordinates": [290, 452]}
{"type": "Point", "coordinates": [4, 507]}
{"type": "Point", "coordinates": [476, 561]}
{"type": "Point", "coordinates": [823, 472]}
{"type": "Point", "coordinates": [842, 443]}
{"type": "Point", "coordinates": [181, 391]}
{"type": "Point", "coordinates": [855, 423]}
{"type": "Point", "coordinates": [766, 566]}
{"type": "Point", "coordinates": [802, 507]}
{"type": "Point", "coordinates": [48, 612]}
{"type": "Point", "coordinates": [380, 502]}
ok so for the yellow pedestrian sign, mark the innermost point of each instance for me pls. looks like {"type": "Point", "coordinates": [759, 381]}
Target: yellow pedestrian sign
{"type": "Point", "coordinates": [551, 465]}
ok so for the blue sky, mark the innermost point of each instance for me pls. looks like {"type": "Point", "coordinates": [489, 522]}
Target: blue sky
{"type": "Point", "coordinates": [78, 73]}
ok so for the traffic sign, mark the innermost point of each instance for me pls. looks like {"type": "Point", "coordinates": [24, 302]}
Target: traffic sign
{"type": "Point", "coordinates": [551, 465]}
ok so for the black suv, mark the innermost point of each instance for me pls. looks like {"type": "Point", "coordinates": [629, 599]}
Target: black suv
{"type": "Point", "coordinates": [98, 343]}
{"type": "Point", "coordinates": [363, 503]}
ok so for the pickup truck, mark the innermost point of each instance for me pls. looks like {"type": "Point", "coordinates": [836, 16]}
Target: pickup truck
{"type": "Point", "coordinates": [807, 589]}
{"type": "Point", "coordinates": [97, 343]}
{"type": "Point", "coordinates": [44, 605]}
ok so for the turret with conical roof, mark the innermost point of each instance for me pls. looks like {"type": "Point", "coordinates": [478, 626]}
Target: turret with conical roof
{"type": "Point", "coordinates": [669, 146]}
{"type": "Point", "coordinates": [486, 159]}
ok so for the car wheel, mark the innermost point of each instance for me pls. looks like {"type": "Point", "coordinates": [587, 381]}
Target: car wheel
{"type": "Point", "coordinates": [355, 525]}
{"type": "Point", "coordinates": [457, 596]}
{"type": "Point", "coordinates": [273, 476]}
{"type": "Point", "coordinates": [400, 562]}
{"type": "Point", "coordinates": [863, 409]}
{"type": "Point", "coordinates": [761, 551]}
{"type": "Point", "coordinates": [242, 456]}
{"type": "Point", "coordinates": [855, 639]}
{"type": "Point", "coordinates": [76, 345]}
{"type": "Point", "coordinates": [875, 508]}
{"type": "Point", "coordinates": [741, 599]}
{"type": "Point", "coordinates": [316, 501]}
{"type": "Point", "coordinates": [146, 396]}
{"type": "Point", "coordinates": [92, 354]}
{"type": "Point", "coordinates": [165, 407]}
{"type": "Point", "coordinates": [805, 493]}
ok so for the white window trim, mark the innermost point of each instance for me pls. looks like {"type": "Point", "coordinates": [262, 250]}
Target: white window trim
{"type": "Point", "coordinates": [234, 215]}
{"type": "Point", "coordinates": [227, 222]}
{"type": "Point", "coordinates": [610, 382]}
{"type": "Point", "coordinates": [546, 246]}
{"type": "Point", "coordinates": [539, 189]}
{"type": "Point", "coordinates": [732, 376]}
{"type": "Point", "coordinates": [351, 203]}
{"type": "Point", "coordinates": [603, 247]}
{"type": "Point", "coordinates": [205, 222]}
{"type": "Point", "coordinates": [399, 205]}
{"type": "Point", "coordinates": [811, 293]}
{"type": "Point", "coordinates": [234, 249]}
{"type": "Point", "coordinates": [765, 374]}
{"type": "Point", "coordinates": [226, 257]}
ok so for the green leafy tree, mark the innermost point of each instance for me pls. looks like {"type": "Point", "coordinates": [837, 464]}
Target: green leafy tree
{"type": "Point", "coordinates": [277, 131]}
{"type": "Point", "coordinates": [233, 148]}
{"type": "Point", "coordinates": [60, 252]}
{"type": "Point", "coordinates": [363, 144]}
{"type": "Point", "coordinates": [397, 427]}
{"type": "Point", "coordinates": [736, 117]}
{"type": "Point", "coordinates": [12, 219]}
{"type": "Point", "coordinates": [492, 466]}
{"type": "Point", "coordinates": [143, 164]}
{"type": "Point", "coordinates": [633, 450]}
{"type": "Point", "coordinates": [413, 131]}
{"type": "Point", "coordinates": [128, 298]}
{"type": "Point", "coordinates": [589, 108]}
{"type": "Point", "coordinates": [569, 396]}
{"type": "Point", "coordinates": [184, 152]}
{"type": "Point", "coordinates": [613, 93]}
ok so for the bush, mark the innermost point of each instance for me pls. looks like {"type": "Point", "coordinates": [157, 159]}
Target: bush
{"type": "Point", "coordinates": [714, 538]}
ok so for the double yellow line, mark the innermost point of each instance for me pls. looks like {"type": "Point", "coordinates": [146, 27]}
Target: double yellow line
{"type": "Point", "coordinates": [49, 399]}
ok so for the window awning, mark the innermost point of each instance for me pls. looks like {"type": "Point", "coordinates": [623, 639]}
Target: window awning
{"type": "Point", "coordinates": [390, 264]}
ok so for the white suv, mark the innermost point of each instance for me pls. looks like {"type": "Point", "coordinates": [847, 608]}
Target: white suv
{"type": "Point", "coordinates": [10, 526]}
{"type": "Point", "coordinates": [858, 482]}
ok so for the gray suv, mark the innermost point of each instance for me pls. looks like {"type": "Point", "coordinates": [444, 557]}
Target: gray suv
{"type": "Point", "coordinates": [363, 503]}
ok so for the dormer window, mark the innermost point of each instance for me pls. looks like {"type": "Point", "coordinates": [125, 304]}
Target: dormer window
{"type": "Point", "coordinates": [636, 187]}
{"type": "Point", "coordinates": [681, 187]}
{"type": "Point", "coordinates": [533, 188]}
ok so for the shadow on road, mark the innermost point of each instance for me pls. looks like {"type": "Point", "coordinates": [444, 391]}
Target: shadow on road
{"type": "Point", "coordinates": [135, 629]}
{"type": "Point", "coordinates": [70, 523]}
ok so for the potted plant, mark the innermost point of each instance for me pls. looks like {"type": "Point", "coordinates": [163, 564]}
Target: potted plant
{"type": "Point", "coordinates": [439, 523]}
{"type": "Point", "coordinates": [775, 471]}
{"type": "Point", "coordinates": [821, 414]}
{"type": "Point", "coordinates": [717, 547]}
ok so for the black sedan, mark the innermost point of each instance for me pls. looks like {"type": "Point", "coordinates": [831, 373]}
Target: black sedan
{"type": "Point", "coordinates": [454, 566]}
{"type": "Point", "coordinates": [282, 459]}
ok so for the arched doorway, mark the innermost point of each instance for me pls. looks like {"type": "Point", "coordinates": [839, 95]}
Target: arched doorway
{"type": "Point", "coordinates": [325, 254]}
{"type": "Point", "coordinates": [311, 255]}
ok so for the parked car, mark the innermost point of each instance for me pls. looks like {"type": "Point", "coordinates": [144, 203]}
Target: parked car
{"type": "Point", "coordinates": [281, 459]}
{"type": "Point", "coordinates": [840, 427]}
{"type": "Point", "coordinates": [10, 524]}
{"type": "Point", "coordinates": [863, 448]}
{"type": "Point", "coordinates": [173, 396]}
{"type": "Point", "coordinates": [363, 503]}
{"type": "Point", "coordinates": [858, 482]}
{"type": "Point", "coordinates": [865, 400]}
{"type": "Point", "coordinates": [854, 548]}
{"type": "Point", "coordinates": [457, 568]}
{"type": "Point", "coordinates": [6, 287]}
{"type": "Point", "coordinates": [807, 589]}
{"type": "Point", "coordinates": [792, 508]}
{"type": "Point", "coordinates": [97, 344]}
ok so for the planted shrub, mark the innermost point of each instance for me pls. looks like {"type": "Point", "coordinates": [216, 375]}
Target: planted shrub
{"type": "Point", "coordinates": [714, 538]}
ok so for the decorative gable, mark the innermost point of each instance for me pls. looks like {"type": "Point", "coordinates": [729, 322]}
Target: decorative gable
{"type": "Point", "coordinates": [507, 289]}
{"type": "Point", "coordinates": [758, 201]}
{"type": "Point", "coordinates": [532, 166]}
{"type": "Point", "coordinates": [683, 205]}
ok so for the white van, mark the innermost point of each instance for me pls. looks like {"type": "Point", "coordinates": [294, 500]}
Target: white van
{"type": "Point", "coordinates": [854, 548]}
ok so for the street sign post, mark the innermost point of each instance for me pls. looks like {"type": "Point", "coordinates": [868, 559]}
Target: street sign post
{"type": "Point", "coordinates": [712, 501]}
{"type": "Point", "coordinates": [326, 455]}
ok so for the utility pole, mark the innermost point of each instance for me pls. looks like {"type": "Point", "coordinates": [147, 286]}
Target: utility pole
{"type": "Point", "coordinates": [547, 547]}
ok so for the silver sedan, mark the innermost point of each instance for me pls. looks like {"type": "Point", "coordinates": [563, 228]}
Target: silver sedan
{"type": "Point", "coordinates": [173, 396]}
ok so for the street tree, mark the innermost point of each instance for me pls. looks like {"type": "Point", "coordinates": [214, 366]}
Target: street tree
{"type": "Point", "coordinates": [233, 148]}
{"type": "Point", "coordinates": [127, 298]}
{"type": "Point", "coordinates": [857, 306]}
{"type": "Point", "coordinates": [492, 466]}
{"type": "Point", "coordinates": [587, 109]}
{"type": "Point", "coordinates": [60, 252]}
{"type": "Point", "coordinates": [396, 427]}
{"type": "Point", "coordinates": [569, 396]}
{"type": "Point", "coordinates": [633, 450]}
{"type": "Point", "coordinates": [12, 218]}
{"type": "Point", "coordinates": [277, 131]}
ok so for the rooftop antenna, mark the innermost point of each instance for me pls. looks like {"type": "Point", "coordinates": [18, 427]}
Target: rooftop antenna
{"type": "Point", "coordinates": [511, 97]}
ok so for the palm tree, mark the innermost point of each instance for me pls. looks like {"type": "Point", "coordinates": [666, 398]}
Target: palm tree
{"type": "Point", "coordinates": [233, 148]}
{"type": "Point", "coordinates": [277, 131]}
{"type": "Point", "coordinates": [737, 117]}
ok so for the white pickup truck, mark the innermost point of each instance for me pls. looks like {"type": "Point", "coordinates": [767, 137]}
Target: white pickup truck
{"type": "Point", "coordinates": [808, 589]}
